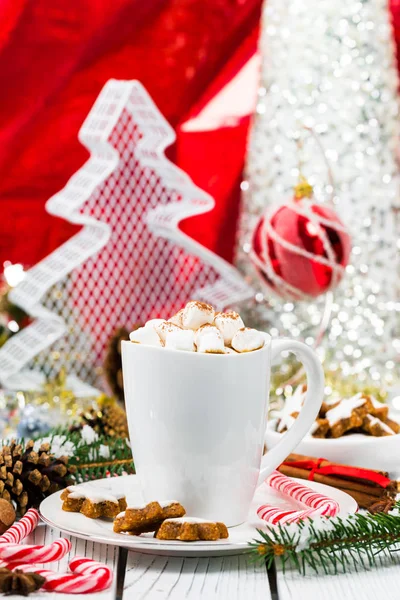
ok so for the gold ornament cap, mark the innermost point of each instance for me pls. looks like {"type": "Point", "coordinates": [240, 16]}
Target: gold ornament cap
{"type": "Point", "coordinates": [303, 189]}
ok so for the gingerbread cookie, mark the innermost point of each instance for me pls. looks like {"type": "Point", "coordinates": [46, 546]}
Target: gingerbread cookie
{"type": "Point", "coordinates": [291, 409]}
{"type": "Point", "coordinates": [190, 529]}
{"type": "Point", "coordinates": [93, 502]}
{"type": "Point", "coordinates": [376, 427]}
{"type": "Point", "coordinates": [359, 414]}
{"type": "Point", "coordinates": [394, 425]}
{"type": "Point", "coordinates": [320, 428]}
{"type": "Point", "coordinates": [378, 409]}
{"type": "Point", "coordinates": [286, 421]}
{"type": "Point", "coordinates": [327, 405]}
{"type": "Point", "coordinates": [349, 414]}
{"type": "Point", "coordinates": [142, 519]}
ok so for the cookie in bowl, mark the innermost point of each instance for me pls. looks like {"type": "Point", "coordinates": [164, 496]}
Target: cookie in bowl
{"type": "Point", "coordinates": [357, 431]}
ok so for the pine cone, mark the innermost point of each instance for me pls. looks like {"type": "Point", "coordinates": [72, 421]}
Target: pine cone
{"type": "Point", "coordinates": [113, 361]}
{"type": "Point", "coordinates": [27, 477]}
{"type": "Point", "coordinates": [107, 418]}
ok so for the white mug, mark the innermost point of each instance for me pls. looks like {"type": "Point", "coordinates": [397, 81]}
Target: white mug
{"type": "Point", "coordinates": [197, 423]}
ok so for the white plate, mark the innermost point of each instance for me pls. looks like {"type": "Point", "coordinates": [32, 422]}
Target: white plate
{"type": "Point", "coordinates": [98, 530]}
{"type": "Point", "coordinates": [356, 449]}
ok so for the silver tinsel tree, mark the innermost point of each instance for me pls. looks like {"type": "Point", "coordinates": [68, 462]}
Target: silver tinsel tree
{"type": "Point", "coordinates": [330, 66]}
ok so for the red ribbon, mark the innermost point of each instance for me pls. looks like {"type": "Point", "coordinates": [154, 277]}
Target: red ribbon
{"type": "Point", "coordinates": [332, 469]}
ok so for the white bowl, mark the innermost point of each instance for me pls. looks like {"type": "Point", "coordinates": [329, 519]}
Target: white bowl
{"type": "Point", "coordinates": [358, 450]}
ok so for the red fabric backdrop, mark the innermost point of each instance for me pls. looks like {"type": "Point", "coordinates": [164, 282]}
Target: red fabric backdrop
{"type": "Point", "coordinates": [55, 58]}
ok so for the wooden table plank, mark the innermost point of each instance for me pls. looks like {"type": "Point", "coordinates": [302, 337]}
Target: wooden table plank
{"type": "Point", "coordinates": [220, 578]}
{"type": "Point", "coordinates": [382, 581]}
{"type": "Point", "coordinates": [173, 578]}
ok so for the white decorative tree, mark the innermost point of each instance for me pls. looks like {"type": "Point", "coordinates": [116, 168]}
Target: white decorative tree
{"type": "Point", "coordinates": [330, 66]}
{"type": "Point", "coordinates": [130, 261]}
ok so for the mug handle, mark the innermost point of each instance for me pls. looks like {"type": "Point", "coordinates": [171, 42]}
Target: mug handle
{"type": "Point", "coordinates": [309, 410]}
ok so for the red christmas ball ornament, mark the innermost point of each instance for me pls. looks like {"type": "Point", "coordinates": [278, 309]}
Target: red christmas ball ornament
{"type": "Point", "coordinates": [300, 248]}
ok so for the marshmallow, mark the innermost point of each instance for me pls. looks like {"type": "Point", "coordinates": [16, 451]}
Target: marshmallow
{"type": "Point", "coordinates": [208, 339]}
{"type": "Point", "coordinates": [228, 350]}
{"type": "Point", "coordinates": [180, 339]}
{"type": "Point", "coordinates": [195, 314]}
{"type": "Point", "coordinates": [153, 322]}
{"type": "Point", "coordinates": [177, 318]}
{"type": "Point", "coordinates": [228, 323]}
{"type": "Point", "coordinates": [247, 340]}
{"type": "Point", "coordinates": [163, 328]}
{"type": "Point", "coordinates": [145, 335]}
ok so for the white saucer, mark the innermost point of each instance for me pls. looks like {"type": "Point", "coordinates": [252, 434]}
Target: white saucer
{"type": "Point", "coordinates": [101, 531]}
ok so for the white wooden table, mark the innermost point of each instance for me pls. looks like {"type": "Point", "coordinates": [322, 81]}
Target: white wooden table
{"type": "Point", "coordinates": [224, 578]}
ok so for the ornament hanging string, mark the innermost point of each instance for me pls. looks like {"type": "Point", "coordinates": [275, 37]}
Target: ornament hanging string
{"type": "Point", "coordinates": [326, 161]}
{"type": "Point", "coordinates": [331, 181]}
{"type": "Point", "coordinates": [304, 190]}
{"type": "Point", "coordinates": [326, 316]}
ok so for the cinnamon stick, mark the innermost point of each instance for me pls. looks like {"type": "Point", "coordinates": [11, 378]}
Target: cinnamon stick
{"type": "Point", "coordinates": [324, 463]}
{"type": "Point", "coordinates": [366, 493]}
{"type": "Point", "coordinates": [363, 500]}
{"type": "Point", "coordinates": [344, 484]}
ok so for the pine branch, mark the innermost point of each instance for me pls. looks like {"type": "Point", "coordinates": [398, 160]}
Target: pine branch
{"type": "Point", "coordinates": [103, 457]}
{"type": "Point", "coordinates": [86, 473]}
{"type": "Point", "coordinates": [107, 463]}
{"type": "Point", "coordinates": [32, 470]}
{"type": "Point", "coordinates": [331, 545]}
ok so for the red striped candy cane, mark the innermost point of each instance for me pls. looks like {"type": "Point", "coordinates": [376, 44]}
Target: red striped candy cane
{"type": "Point", "coordinates": [304, 494]}
{"type": "Point", "coordinates": [87, 576]}
{"type": "Point", "coordinates": [275, 515]}
{"type": "Point", "coordinates": [14, 553]}
{"type": "Point", "coordinates": [317, 503]}
{"type": "Point", "coordinates": [20, 530]}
